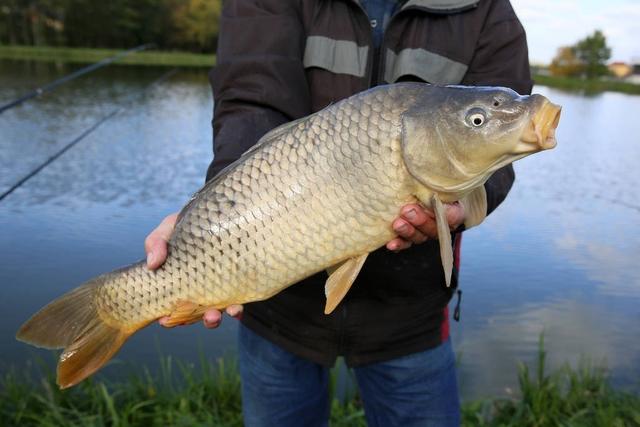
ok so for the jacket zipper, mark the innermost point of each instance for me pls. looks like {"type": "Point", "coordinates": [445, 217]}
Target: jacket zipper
{"type": "Point", "coordinates": [383, 52]}
{"type": "Point", "coordinates": [369, 75]}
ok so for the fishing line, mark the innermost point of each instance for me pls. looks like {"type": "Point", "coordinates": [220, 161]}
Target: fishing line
{"type": "Point", "coordinates": [83, 135]}
{"type": "Point", "coordinates": [50, 86]}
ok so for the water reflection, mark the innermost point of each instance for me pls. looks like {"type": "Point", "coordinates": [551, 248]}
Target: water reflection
{"type": "Point", "coordinates": [573, 332]}
{"type": "Point", "coordinates": [131, 159]}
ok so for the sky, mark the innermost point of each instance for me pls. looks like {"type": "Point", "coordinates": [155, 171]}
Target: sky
{"type": "Point", "coordinates": [554, 23]}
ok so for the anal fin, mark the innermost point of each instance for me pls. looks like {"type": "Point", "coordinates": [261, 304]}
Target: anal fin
{"type": "Point", "coordinates": [340, 281]}
{"type": "Point", "coordinates": [185, 313]}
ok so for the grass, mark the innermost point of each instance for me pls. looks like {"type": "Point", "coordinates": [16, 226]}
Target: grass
{"type": "Point", "coordinates": [209, 394]}
{"type": "Point", "coordinates": [565, 397]}
{"type": "Point", "coordinates": [589, 86]}
{"type": "Point", "coordinates": [86, 55]}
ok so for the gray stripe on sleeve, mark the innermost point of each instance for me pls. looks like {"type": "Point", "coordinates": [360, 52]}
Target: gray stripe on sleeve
{"type": "Point", "coordinates": [428, 66]}
{"type": "Point", "coordinates": [337, 56]}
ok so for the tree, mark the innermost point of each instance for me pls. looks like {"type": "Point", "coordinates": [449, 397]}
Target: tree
{"type": "Point", "coordinates": [195, 24]}
{"type": "Point", "coordinates": [594, 53]}
{"type": "Point", "coordinates": [565, 63]}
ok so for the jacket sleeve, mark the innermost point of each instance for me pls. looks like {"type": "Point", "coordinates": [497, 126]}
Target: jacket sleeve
{"type": "Point", "coordinates": [259, 80]}
{"type": "Point", "coordinates": [501, 59]}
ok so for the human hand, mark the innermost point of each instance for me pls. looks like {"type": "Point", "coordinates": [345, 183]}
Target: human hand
{"type": "Point", "coordinates": [155, 245]}
{"type": "Point", "coordinates": [416, 224]}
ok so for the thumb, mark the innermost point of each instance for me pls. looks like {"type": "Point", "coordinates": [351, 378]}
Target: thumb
{"type": "Point", "coordinates": [155, 245]}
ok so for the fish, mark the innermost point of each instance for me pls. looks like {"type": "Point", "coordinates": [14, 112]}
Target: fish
{"type": "Point", "coordinates": [318, 193]}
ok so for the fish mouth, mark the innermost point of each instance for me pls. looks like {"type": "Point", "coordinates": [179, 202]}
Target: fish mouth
{"type": "Point", "coordinates": [541, 129]}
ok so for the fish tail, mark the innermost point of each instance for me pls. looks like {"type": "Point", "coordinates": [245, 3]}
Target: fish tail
{"type": "Point", "coordinates": [73, 322]}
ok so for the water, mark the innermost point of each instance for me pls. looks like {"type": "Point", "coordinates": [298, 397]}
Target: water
{"type": "Point", "coordinates": [558, 256]}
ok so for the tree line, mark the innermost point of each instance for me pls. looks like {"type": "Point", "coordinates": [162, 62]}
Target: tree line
{"type": "Point", "coordinates": [587, 58]}
{"type": "Point", "coordinates": [170, 24]}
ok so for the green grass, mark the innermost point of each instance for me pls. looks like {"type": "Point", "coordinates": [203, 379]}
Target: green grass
{"type": "Point", "coordinates": [85, 55]}
{"type": "Point", "coordinates": [565, 397]}
{"type": "Point", "coordinates": [209, 394]}
{"type": "Point", "coordinates": [588, 86]}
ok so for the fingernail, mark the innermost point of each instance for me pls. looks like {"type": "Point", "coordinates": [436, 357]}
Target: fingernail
{"type": "Point", "coordinates": [402, 228]}
{"type": "Point", "coordinates": [150, 258]}
{"type": "Point", "coordinates": [411, 214]}
{"type": "Point", "coordinates": [233, 311]}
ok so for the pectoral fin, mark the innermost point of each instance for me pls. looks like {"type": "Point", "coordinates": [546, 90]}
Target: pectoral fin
{"type": "Point", "coordinates": [444, 236]}
{"type": "Point", "coordinates": [340, 281]}
{"type": "Point", "coordinates": [475, 207]}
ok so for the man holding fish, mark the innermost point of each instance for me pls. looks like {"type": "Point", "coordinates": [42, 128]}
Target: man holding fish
{"type": "Point", "coordinates": [278, 62]}
{"type": "Point", "coordinates": [334, 204]}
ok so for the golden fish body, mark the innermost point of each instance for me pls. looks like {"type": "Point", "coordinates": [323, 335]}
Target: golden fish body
{"type": "Point", "coordinates": [318, 192]}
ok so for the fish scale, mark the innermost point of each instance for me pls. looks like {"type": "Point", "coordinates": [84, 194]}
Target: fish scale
{"type": "Point", "coordinates": [237, 253]}
{"type": "Point", "coordinates": [318, 193]}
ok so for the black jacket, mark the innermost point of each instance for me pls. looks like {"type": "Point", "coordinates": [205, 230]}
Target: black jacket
{"type": "Point", "coordinates": [281, 60]}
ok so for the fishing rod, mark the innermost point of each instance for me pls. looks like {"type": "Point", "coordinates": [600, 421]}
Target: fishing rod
{"type": "Point", "coordinates": [50, 86]}
{"type": "Point", "coordinates": [80, 137]}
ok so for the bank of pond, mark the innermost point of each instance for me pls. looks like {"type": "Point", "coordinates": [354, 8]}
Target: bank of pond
{"type": "Point", "coordinates": [188, 59]}
{"type": "Point", "coordinates": [209, 394]}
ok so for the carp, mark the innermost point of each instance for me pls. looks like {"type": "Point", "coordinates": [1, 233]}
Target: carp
{"type": "Point", "coordinates": [319, 193]}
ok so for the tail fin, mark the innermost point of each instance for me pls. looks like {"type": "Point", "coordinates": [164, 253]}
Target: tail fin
{"type": "Point", "coordinates": [72, 322]}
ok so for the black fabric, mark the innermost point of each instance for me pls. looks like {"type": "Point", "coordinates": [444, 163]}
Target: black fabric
{"type": "Point", "coordinates": [392, 309]}
{"type": "Point", "coordinates": [398, 301]}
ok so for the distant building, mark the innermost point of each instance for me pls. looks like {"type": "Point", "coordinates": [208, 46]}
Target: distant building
{"type": "Point", "coordinates": [634, 76]}
{"type": "Point", "coordinates": [620, 69]}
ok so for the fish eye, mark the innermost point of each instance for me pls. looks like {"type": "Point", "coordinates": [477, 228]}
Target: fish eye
{"type": "Point", "coordinates": [476, 117]}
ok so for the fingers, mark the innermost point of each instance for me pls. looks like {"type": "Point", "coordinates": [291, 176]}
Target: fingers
{"type": "Point", "coordinates": [417, 224]}
{"type": "Point", "coordinates": [155, 245]}
{"type": "Point", "coordinates": [235, 311]}
{"type": "Point", "coordinates": [420, 219]}
{"type": "Point", "coordinates": [212, 318]}
{"type": "Point", "coordinates": [423, 219]}
{"type": "Point", "coordinates": [398, 244]}
{"type": "Point", "coordinates": [455, 214]}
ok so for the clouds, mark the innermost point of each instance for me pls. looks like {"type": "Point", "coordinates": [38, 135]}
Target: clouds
{"type": "Point", "coordinates": [552, 23]}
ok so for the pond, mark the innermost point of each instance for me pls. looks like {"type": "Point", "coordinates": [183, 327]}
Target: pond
{"type": "Point", "coordinates": [558, 257]}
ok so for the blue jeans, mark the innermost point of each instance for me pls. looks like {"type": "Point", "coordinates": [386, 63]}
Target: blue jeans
{"type": "Point", "coordinates": [284, 390]}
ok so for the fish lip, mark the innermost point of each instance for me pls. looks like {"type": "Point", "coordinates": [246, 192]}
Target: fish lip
{"type": "Point", "coordinates": [540, 132]}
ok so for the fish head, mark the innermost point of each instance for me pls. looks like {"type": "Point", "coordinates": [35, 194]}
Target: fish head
{"type": "Point", "coordinates": [455, 137]}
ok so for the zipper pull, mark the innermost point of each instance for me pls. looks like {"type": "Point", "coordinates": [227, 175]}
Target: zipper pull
{"type": "Point", "coordinates": [456, 311]}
